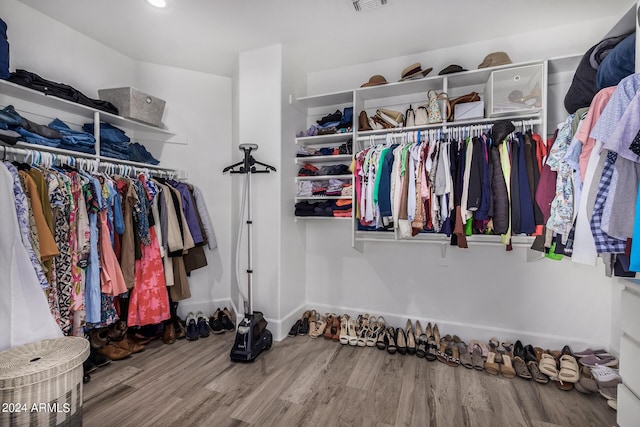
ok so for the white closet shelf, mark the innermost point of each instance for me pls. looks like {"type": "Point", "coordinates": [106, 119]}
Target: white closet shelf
{"type": "Point", "coordinates": [327, 99]}
{"type": "Point", "coordinates": [322, 218]}
{"type": "Point", "coordinates": [323, 159]}
{"type": "Point", "coordinates": [476, 239]}
{"type": "Point", "coordinates": [30, 95]}
{"type": "Point", "coordinates": [324, 139]}
{"type": "Point", "coordinates": [322, 177]}
{"type": "Point", "coordinates": [299, 198]}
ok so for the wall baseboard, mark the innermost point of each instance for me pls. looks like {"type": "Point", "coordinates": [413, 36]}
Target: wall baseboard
{"type": "Point", "coordinates": [207, 307]}
{"type": "Point", "coordinates": [467, 331]}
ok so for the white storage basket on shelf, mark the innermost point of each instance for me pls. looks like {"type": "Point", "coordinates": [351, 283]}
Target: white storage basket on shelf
{"type": "Point", "coordinates": [41, 383]}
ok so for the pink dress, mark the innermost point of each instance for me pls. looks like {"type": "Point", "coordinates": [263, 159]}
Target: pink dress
{"type": "Point", "coordinates": [149, 302]}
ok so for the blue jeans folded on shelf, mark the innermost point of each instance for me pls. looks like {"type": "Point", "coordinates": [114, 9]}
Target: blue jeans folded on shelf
{"type": "Point", "coordinates": [105, 152]}
{"type": "Point", "coordinates": [120, 148]}
{"type": "Point", "coordinates": [34, 138]}
{"type": "Point", "coordinates": [140, 154]}
{"type": "Point", "coordinates": [72, 137]}
{"type": "Point", "coordinates": [108, 133]}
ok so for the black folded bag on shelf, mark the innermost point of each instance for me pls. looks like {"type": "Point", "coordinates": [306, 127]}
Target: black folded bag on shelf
{"type": "Point", "coordinates": [4, 51]}
{"type": "Point", "coordinates": [60, 90]}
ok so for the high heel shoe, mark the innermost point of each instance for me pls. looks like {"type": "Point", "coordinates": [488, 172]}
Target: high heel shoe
{"type": "Point", "coordinates": [344, 330]}
{"type": "Point", "coordinates": [391, 340]}
{"type": "Point", "coordinates": [335, 329]}
{"type": "Point", "coordinates": [411, 339]}
{"type": "Point", "coordinates": [351, 333]}
{"type": "Point", "coordinates": [381, 341]}
{"type": "Point", "coordinates": [401, 341]}
{"type": "Point", "coordinates": [421, 341]}
{"type": "Point", "coordinates": [432, 344]}
{"type": "Point", "coordinates": [328, 334]}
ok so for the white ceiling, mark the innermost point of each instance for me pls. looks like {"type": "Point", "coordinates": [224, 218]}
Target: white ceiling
{"type": "Point", "coordinates": [206, 35]}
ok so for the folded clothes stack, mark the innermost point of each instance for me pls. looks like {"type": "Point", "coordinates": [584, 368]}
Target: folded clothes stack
{"type": "Point", "coordinates": [308, 170]}
{"type": "Point", "coordinates": [305, 189]}
{"type": "Point", "coordinates": [347, 190]}
{"type": "Point", "coordinates": [74, 139]}
{"type": "Point", "coordinates": [304, 209]}
{"type": "Point", "coordinates": [335, 187]}
{"type": "Point", "coordinates": [342, 208]}
{"type": "Point", "coordinates": [323, 208]}
{"type": "Point", "coordinates": [334, 170]}
{"type": "Point", "coordinates": [337, 122]}
{"type": "Point", "coordinates": [140, 154]}
{"type": "Point", "coordinates": [319, 188]}
{"type": "Point", "coordinates": [113, 141]}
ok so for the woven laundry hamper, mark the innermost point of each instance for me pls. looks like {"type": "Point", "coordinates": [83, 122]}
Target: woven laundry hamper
{"type": "Point", "coordinates": [41, 383]}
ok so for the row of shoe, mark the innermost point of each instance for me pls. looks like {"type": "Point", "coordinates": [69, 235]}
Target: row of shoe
{"type": "Point", "coordinates": [565, 368]}
{"type": "Point", "coordinates": [199, 326]}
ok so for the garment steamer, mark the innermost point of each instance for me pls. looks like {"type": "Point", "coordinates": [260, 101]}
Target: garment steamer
{"type": "Point", "coordinates": [252, 335]}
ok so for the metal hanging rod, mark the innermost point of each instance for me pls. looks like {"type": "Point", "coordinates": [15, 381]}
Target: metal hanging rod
{"type": "Point", "coordinates": [447, 129]}
{"type": "Point", "coordinates": [87, 162]}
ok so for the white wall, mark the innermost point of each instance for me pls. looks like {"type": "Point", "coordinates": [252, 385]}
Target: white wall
{"type": "Point", "coordinates": [198, 110]}
{"type": "Point", "coordinates": [534, 45]}
{"type": "Point", "coordinates": [293, 250]}
{"type": "Point", "coordinates": [259, 122]}
{"type": "Point", "coordinates": [56, 52]}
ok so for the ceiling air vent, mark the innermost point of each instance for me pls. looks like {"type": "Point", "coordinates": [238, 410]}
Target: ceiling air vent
{"type": "Point", "coordinates": [362, 5]}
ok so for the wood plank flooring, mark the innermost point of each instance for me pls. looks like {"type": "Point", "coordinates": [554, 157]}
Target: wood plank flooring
{"type": "Point", "coordinates": [307, 382]}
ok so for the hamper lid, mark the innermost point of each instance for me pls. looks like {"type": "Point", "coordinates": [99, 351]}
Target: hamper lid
{"type": "Point", "coordinates": [37, 362]}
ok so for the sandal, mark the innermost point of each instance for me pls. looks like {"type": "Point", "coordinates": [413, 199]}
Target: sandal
{"type": "Point", "coordinates": [521, 368]}
{"type": "Point", "coordinates": [411, 339]}
{"type": "Point", "coordinates": [508, 348]}
{"type": "Point", "coordinates": [421, 340]}
{"type": "Point", "coordinates": [490, 365]}
{"type": "Point", "coordinates": [391, 340]}
{"type": "Point", "coordinates": [372, 332]}
{"type": "Point", "coordinates": [569, 370]}
{"type": "Point", "coordinates": [587, 383]}
{"type": "Point", "coordinates": [506, 369]}
{"type": "Point", "coordinates": [335, 330]}
{"type": "Point", "coordinates": [329, 326]}
{"type": "Point", "coordinates": [476, 357]}
{"type": "Point", "coordinates": [304, 328]}
{"type": "Point", "coordinates": [454, 354]}
{"type": "Point", "coordinates": [363, 333]}
{"type": "Point", "coordinates": [494, 345]}
{"type": "Point", "coordinates": [465, 357]}
{"type": "Point", "coordinates": [538, 376]}
{"type": "Point", "coordinates": [401, 341]}
{"type": "Point", "coordinates": [316, 327]}
{"type": "Point", "coordinates": [549, 365]}
{"type": "Point", "coordinates": [381, 342]}
{"type": "Point", "coordinates": [351, 333]}
{"type": "Point", "coordinates": [344, 330]}
{"type": "Point", "coordinates": [441, 354]}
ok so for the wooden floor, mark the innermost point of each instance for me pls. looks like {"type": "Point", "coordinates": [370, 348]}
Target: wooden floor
{"type": "Point", "coordinates": [302, 381]}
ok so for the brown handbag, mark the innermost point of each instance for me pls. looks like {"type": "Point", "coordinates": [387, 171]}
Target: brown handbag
{"type": "Point", "coordinates": [470, 97]}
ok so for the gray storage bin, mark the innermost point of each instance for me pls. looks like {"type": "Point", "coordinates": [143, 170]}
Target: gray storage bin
{"type": "Point", "coordinates": [135, 104]}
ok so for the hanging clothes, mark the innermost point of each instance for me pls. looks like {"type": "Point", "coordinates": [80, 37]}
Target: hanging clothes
{"type": "Point", "coordinates": [24, 311]}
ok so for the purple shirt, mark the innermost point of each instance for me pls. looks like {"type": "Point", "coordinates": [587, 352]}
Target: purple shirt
{"type": "Point", "coordinates": [189, 210]}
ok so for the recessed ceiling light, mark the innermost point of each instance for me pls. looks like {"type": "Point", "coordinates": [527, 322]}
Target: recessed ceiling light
{"type": "Point", "coordinates": [158, 3]}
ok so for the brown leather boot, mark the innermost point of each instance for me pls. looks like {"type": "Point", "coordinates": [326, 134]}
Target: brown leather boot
{"type": "Point", "coordinates": [181, 333]}
{"type": "Point", "coordinates": [129, 345]}
{"type": "Point", "coordinates": [118, 330]}
{"type": "Point", "coordinates": [98, 338]}
{"type": "Point", "coordinates": [113, 352]}
{"type": "Point", "coordinates": [169, 336]}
